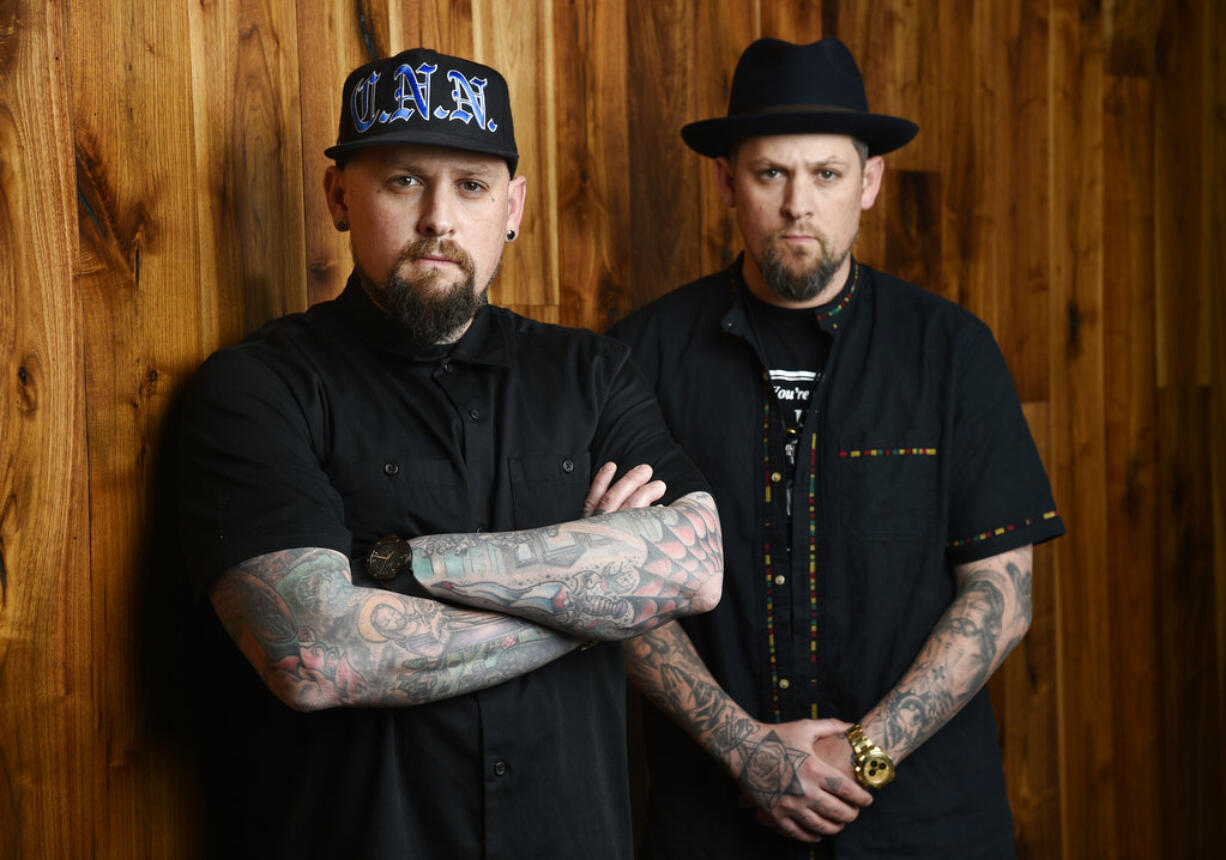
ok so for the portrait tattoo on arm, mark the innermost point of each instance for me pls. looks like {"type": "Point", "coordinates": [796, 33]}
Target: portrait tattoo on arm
{"type": "Point", "coordinates": [605, 577]}
{"type": "Point", "coordinates": [971, 639]}
{"type": "Point", "coordinates": [317, 641]}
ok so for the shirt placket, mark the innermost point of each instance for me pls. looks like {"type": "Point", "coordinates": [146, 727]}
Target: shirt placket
{"type": "Point", "coordinates": [470, 388]}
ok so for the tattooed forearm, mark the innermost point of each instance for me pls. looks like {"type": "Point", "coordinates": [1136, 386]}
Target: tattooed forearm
{"type": "Point", "coordinates": [665, 667]}
{"type": "Point", "coordinates": [317, 641]}
{"type": "Point", "coordinates": [605, 577]}
{"type": "Point", "coordinates": [983, 624]}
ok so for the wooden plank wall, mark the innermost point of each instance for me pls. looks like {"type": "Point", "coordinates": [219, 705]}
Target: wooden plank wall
{"type": "Point", "coordinates": [160, 167]}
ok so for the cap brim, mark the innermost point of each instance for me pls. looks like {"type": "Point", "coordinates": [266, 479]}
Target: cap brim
{"type": "Point", "coordinates": [882, 133]}
{"type": "Point", "coordinates": [426, 137]}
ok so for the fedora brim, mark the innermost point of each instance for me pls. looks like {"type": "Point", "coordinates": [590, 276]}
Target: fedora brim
{"type": "Point", "coordinates": [882, 133]}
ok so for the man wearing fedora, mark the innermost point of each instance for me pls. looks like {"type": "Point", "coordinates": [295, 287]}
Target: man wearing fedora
{"type": "Point", "coordinates": [384, 502]}
{"type": "Point", "coordinates": [880, 495]}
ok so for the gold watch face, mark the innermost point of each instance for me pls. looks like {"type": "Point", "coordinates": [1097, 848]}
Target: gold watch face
{"type": "Point", "coordinates": [876, 770]}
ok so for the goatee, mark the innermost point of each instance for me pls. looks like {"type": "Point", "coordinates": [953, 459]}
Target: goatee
{"type": "Point", "coordinates": [799, 286]}
{"type": "Point", "coordinates": [431, 312]}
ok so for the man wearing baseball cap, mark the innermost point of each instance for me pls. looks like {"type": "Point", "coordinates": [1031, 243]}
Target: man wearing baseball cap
{"type": "Point", "coordinates": [880, 494]}
{"type": "Point", "coordinates": [384, 500]}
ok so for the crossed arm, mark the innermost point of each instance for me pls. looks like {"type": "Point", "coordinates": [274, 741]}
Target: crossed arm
{"type": "Point", "coordinates": [800, 774]}
{"type": "Point", "coordinates": [318, 641]}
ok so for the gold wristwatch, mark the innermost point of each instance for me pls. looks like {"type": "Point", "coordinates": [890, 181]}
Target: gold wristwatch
{"type": "Point", "coordinates": [873, 767]}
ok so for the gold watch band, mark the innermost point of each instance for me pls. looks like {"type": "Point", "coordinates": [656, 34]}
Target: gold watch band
{"type": "Point", "coordinates": [874, 768]}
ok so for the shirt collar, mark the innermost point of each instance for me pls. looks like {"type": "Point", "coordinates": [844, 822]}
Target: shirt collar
{"type": "Point", "coordinates": [830, 317]}
{"type": "Point", "coordinates": [485, 342]}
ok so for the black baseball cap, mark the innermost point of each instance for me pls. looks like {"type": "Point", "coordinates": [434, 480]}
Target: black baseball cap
{"type": "Point", "coordinates": [422, 96]}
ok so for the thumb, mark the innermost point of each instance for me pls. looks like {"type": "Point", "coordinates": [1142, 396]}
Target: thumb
{"type": "Point", "coordinates": [827, 727]}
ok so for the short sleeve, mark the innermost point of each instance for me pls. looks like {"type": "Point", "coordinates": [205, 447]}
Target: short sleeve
{"type": "Point", "coordinates": [1000, 497]}
{"type": "Point", "coordinates": [631, 430]}
{"type": "Point", "coordinates": [250, 476]}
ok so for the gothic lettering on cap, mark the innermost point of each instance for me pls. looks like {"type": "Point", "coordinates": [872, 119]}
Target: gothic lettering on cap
{"type": "Point", "coordinates": [412, 99]}
{"type": "Point", "coordinates": [414, 86]}
{"type": "Point", "coordinates": [362, 103]}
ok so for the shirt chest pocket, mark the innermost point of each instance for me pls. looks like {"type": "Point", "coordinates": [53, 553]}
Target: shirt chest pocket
{"type": "Point", "coordinates": [398, 494]}
{"type": "Point", "coordinates": [549, 488]}
{"type": "Point", "coordinates": [888, 484]}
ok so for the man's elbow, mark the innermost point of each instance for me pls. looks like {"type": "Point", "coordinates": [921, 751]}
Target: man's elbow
{"type": "Point", "coordinates": [708, 594]}
{"type": "Point", "coordinates": [304, 698]}
{"type": "Point", "coordinates": [708, 550]}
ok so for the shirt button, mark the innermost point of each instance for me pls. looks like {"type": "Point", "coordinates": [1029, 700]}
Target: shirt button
{"type": "Point", "coordinates": [447, 367]}
{"type": "Point", "coordinates": [776, 477]}
{"type": "Point", "coordinates": [474, 414]}
{"type": "Point", "coordinates": [390, 469]}
{"type": "Point", "coordinates": [780, 579]}
{"type": "Point", "coordinates": [784, 683]}
{"type": "Point", "coordinates": [500, 767]}
{"type": "Point", "coordinates": [568, 465]}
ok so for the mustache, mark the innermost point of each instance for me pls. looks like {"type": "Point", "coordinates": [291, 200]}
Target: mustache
{"type": "Point", "coordinates": [797, 230]}
{"type": "Point", "coordinates": [445, 248]}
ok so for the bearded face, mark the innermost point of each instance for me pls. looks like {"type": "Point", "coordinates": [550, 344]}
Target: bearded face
{"type": "Point", "coordinates": [431, 290]}
{"type": "Point", "coordinates": [800, 278]}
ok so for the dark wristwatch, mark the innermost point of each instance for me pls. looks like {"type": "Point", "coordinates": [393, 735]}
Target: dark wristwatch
{"type": "Point", "coordinates": [873, 767]}
{"type": "Point", "coordinates": [388, 557]}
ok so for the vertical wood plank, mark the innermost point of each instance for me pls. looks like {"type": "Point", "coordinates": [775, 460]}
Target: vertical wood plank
{"type": "Point", "coordinates": [1018, 111]}
{"type": "Point", "coordinates": [1025, 694]}
{"type": "Point", "coordinates": [799, 21]}
{"type": "Point", "coordinates": [592, 161]}
{"type": "Point", "coordinates": [1131, 415]}
{"type": "Point", "coordinates": [332, 46]}
{"type": "Point", "coordinates": [721, 33]}
{"type": "Point", "coordinates": [518, 41]}
{"type": "Point", "coordinates": [1130, 30]}
{"type": "Point", "coordinates": [47, 756]}
{"type": "Point", "coordinates": [671, 182]}
{"type": "Point", "coordinates": [1214, 149]}
{"type": "Point", "coordinates": [1188, 699]}
{"type": "Point", "coordinates": [139, 345]}
{"type": "Point", "coordinates": [1088, 789]}
{"type": "Point", "coordinates": [1179, 93]}
{"type": "Point", "coordinates": [249, 151]}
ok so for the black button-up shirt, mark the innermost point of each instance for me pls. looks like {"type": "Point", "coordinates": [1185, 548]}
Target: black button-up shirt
{"type": "Point", "coordinates": [914, 456]}
{"type": "Point", "coordinates": [330, 429]}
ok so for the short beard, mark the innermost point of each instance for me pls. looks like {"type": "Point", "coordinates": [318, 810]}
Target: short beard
{"type": "Point", "coordinates": [804, 285]}
{"type": "Point", "coordinates": [431, 314]}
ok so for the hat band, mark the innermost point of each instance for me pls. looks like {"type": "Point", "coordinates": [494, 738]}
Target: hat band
{"type": "Point", "coordinates": [797, 108]}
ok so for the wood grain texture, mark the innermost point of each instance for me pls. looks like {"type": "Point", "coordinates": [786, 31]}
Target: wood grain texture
{"type": "Point", "coordinates": [161, 195]}
{"type": "Point", "coordinates": [1132, 432]}
{"type": "Point", "coordinates": [593, 195]}
{"type": "Point", "coordinates": [48, 750]}
{"type": "Point", "coordinates": [1078, 468]}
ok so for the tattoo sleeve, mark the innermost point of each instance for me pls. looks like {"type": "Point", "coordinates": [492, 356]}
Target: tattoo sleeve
{"type": "Point", "coordinates": [665, 667]}
{"type": "Point", "coordinates": [318, 641]}
{"type": "Point", "coordinates": [606, 577]}
{"type": "Point", "coordinates": [982, 625]}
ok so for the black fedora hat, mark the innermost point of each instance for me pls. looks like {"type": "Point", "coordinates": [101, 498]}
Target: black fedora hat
{"type": "Point", "coordinates": [422, 96]}
{"type": "Point", "coordinates": [783, 88]}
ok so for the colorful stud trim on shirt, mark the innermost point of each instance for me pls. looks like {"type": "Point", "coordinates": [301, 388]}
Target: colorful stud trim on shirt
{"type": "Point", "coordinates": [851, 291]}
{"type": "Point", "coordinates": [813, 577]}
{"type": "Point", "coordinates": [768, 566]}
{"type": "Point", "coordinates": [889, 452]}
{"type": "Point", "coordinates": [1001, 530]}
